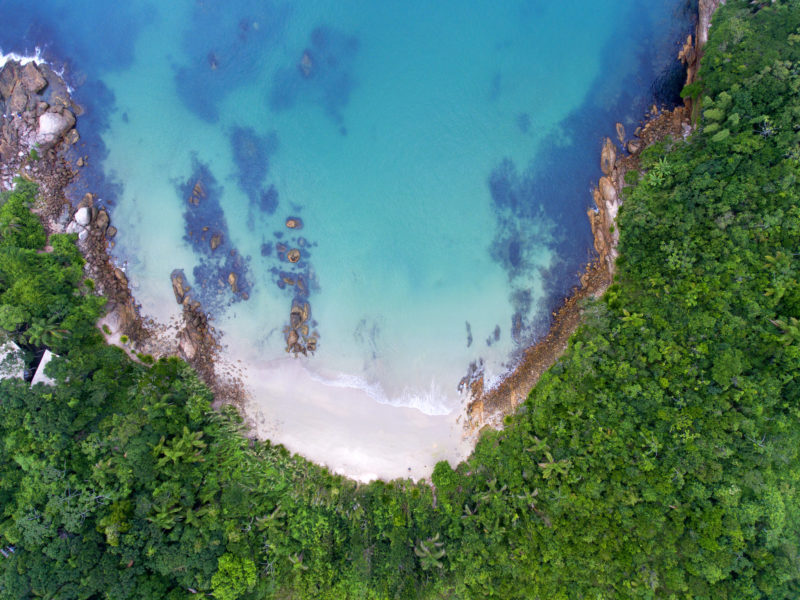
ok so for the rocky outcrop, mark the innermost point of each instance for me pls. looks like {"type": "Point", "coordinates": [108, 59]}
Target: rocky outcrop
{"type": "Point", "coordinates": [487, 407]}
{"type": "Point", "coordinates": [37, 115]}
{"type": "Point", "coordinates": [299, 339]}
{"type": "Point", "coordinates": [32, 79]}
{"type": "Point", "coordinates": [692, 50]}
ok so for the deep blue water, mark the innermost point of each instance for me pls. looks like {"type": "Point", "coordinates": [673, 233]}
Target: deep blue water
{"type": "Point", "coordinates": [439, 155]}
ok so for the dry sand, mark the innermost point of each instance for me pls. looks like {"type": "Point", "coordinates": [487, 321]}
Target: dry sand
{"type": "Point", "coordinates": [345, 429]}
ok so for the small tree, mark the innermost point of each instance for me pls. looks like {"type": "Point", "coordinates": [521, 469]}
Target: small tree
{"type": "Point", "coordinates": [234, 577]}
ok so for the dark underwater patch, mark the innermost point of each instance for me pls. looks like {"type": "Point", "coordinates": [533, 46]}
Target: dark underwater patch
{"type": "Point", "coordinates": [221, 275]}
{"type": "Point", "coordinates": [553, 190]}
{"type": "Point", "coordinates": [322, 75]}
{"type": "Point", "coordinates": [251, 153]}
{"type": "Point", "coordinates": [70, 41]}
{"type": "Point", "coordinates": [226, 48]}
{"type": "Point", "coordinates": [268, 200]}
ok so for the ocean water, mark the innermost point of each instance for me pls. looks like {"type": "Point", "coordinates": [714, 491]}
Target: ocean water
{"type": "Point", "coordinates": [438, 155]}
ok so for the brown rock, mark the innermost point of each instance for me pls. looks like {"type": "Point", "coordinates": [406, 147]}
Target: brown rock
{"type": "Point", "coordinates": [620, 133]}
{"type": "Point", "coordinates": [634, 145]}
{"type": "Point", "coordinates": [294, 223]}
{"type": "Point", "coordinates": [216, 240]}
{"type": "Point", "coordinates": [293, 256]}
{"type": "Point", "coordinates": [233, 280]}
{"type": "Point", "coordinates": [101, 221]}
{"type": "Point", "coordinates": [33, 80]}
{"type": "Point", "coordinates": [179, 287]}
{"type": "Point", "coordinates": [120, 275]}
{"type": "Point", "coordinates": [111, 232]}
{"type": "Point", "coordinates": [79, 162]}
{"type": "Point", "coordinates": [298, 314]}
{"type": "Point", "coordinates": [18, 101]}
{"type": "Point", "coordinates": [73, 136]}
{"type": "Point", "coordinates": [186, 345]}
{"type": "Point", "coordinates": [608, 157]}
{"type": "Point", "coordinates": [608, 191]}
{"type": "Point", "coordinates": [8, 79]}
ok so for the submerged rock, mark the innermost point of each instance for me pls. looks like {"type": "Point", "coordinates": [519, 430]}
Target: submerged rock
{"type": "Point", "coordinates": [608, 157]}
{"type": "Point", "coordinates": [306, 64]}
{"type": "Point", "coordinates": [216, 240]}
{"type": "Point", "coordinates": [620, 132]}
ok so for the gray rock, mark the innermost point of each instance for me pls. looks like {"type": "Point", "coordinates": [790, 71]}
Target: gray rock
{"type": "Point", "coordinates": [52, 126]}
{"type": "Point", "coordinates": [33, 80]}
{"type": "Point", "coordinates": [83, 215]}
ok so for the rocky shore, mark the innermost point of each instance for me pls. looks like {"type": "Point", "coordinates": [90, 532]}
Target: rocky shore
{"type": "Point", "coordinates": [38, 126]}
{"type": "Point", "coordinates": [36, 129]}
{"type": "Point", "coordinates": [487, 407]}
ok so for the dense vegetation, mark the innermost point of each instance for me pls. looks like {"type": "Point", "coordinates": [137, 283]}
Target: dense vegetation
{"type": "Point", "coordinates": [657, 459]}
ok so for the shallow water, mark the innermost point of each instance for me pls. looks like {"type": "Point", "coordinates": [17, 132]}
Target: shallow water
{"type": "Point", "coordinates": [440, 157]}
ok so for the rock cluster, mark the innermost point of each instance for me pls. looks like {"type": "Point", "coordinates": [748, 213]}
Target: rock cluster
{"type": "Point", "coordinates": [487, 407]}
{"type": "Point", "coordinates": [37, 111]}
{"type": "Point", "coordinates": [299, 339]}
{"type": "Point", "coordinates": [197, 337]}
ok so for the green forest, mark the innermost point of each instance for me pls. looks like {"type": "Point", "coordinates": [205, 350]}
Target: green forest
{"type": "Point", "coordinates": [657, 459]}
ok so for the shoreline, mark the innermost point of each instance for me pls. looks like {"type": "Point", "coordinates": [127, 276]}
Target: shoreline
{"type": "Point", "coordinates": [193, 337]}
{"type": "Point", "coordinates": [36, 132]}
{"type": "Point", "coordinates": [488, 407]}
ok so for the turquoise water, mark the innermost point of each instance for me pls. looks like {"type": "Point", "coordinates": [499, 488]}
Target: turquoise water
{"type": "Point", "coordinates": [440, 156]}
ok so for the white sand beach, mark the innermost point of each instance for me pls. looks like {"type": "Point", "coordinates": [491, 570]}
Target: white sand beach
{"type": "Point", "coordinates": [346, 430]}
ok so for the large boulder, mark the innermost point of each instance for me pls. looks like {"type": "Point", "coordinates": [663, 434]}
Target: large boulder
{"type": "Point", "coordinates": [8, 79]}
{"type": "Point", "coordinates": [33, 80]}
{"type": "Point", "coordinates": [83, 216]}
{"type": "Point", "coordinates": [608, 157]}
{"type": "Point", "coordinates": [179, 286]}
{"type": "Point", "coordinates": [101, 221]}
{"type": "Point", "coordinates": [52, 126]}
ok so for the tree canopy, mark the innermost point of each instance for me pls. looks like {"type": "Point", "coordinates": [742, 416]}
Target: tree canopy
{"type": "Point", "coordinates": [657, 459]}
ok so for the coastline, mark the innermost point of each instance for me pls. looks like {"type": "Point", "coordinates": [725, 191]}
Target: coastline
{"type": "Point", "coordinates": [36, 131]}
{"type": "Point", "coordinates": [487, 407]}
{"type": "Point", "coordinates": [193, 337]}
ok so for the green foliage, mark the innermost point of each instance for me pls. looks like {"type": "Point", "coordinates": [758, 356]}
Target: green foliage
{"type": "Point", "coordinates": [234, 577]}
{"type": "Point", "coordinates": [18, 227]}
{"type": "Point", "coordinates": [657, 459]}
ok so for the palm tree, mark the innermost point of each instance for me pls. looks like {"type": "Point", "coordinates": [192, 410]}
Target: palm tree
{"type": "Point", "coordinates": [429, 552]}
{"type": "Point", "coordinates": [13, 225]}
{"type": "Point", "coordinates": [44, 332]}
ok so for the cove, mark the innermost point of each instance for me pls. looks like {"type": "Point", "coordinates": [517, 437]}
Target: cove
{"type": "Point", "coordinates": [439, 159]}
